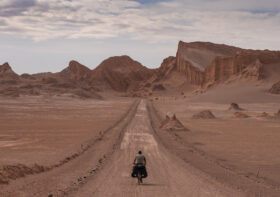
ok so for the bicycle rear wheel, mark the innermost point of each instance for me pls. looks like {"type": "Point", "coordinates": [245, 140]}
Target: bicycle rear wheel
{"type": "Point", "coordinates": [139, 178]}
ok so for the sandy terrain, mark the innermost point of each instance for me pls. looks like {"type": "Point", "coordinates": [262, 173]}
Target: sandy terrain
{"type": "Point", "coordinates": [104, 169]}
{"type": "Point", "coordinates": [246, 148]}
{"type": "Point", "coordinates": [68, 177]}
{"type": "Point", "coordinates": [75, 132]}
{"type": "Point", "coordinates": [168, 174]}
{"type": "Point", "coordinates": [222, 156]}
{"type": "Point", "coordinates": [46, 131]}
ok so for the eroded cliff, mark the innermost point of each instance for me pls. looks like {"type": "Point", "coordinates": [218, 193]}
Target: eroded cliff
{"type": "Point", "coordinates": [208, 63]}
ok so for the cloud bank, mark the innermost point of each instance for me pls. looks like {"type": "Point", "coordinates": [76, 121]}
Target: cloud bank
{"type": "Point", "coordinates": [253, 23]}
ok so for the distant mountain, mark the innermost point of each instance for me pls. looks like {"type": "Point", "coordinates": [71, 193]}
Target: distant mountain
{"type": "Point", "coordinates": [196, 64]}
{"type": "Point", "coordinates": [67, 82]}
{"type": "Point", "coordinates": [120, 73]}
{"type": "Point", "coordinates": [245, 64]}
{"type": "Point", "coordinates": [6, 72]}
{"type": "Point", "coordinates": [201, 54]}
{"type": "Point", "coordinates": [206, 64]}
{"type": "Point", "coordinates": [76, 71]}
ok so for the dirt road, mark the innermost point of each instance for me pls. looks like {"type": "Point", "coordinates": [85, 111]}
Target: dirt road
{"type": "Point", "coordinates": [71, 172]}
{"type": "Point", "coordinates": [168, 175]}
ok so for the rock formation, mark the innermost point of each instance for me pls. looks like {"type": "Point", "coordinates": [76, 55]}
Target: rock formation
{"type": "Point", "coordinates": [265, 116]}
{"type": "Point", "coordinates": [201, 54]}
{"type": "Point", "coordinates": [235, 106]}
{"type": "Point", "coordinates": [205, 63]}
{"type": "Point", "coordinates": [248, 64]}
{"type": "Point", "coordinates": [275, 89]}
{"type": "Point", "coordinates": [206, 114]}
{"type": "Point", "coordinates": [158, 87]}
{"type": "Point", "coordinates": [7, 74]}
{"type": "Point", "coordinates": [197, 64]}
{"type": "Point", "coordinates": [193, 58]}
{"type": "Point", "coordinates": [168, 65]}
{"type": "Point", "coordinates": [240, 115]}
{"type": "Point", "coordinates": [172, 124]}
{"type": "Point", "coordinates": [5, 69]}
{"type": "Point", "coordinates": [8, 81]}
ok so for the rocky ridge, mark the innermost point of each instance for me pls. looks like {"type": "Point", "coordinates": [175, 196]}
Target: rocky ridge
{"type": "Point", "coordinates": [201, 64]}
{"type": "Point", "coordinates": [207, 64]}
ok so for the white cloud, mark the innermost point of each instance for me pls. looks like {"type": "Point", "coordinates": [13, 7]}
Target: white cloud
{"type": "Point", "coordinates": [249, 24]}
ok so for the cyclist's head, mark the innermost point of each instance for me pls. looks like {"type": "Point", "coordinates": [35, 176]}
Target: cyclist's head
{"type": "Point", "coordinates": [139, 152]}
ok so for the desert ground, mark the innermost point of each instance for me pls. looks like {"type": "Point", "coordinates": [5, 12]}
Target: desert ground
{"type": "Point", "coordinates": [240, 148]}
{"type": "Point", "coordinates": [85, 147]}
{"type": "Point", "coordinates": [104, 168]}
{"type": "Point", "coordinates": [42, 130]}
{"type": "Point", "coordinates": [207, 120]}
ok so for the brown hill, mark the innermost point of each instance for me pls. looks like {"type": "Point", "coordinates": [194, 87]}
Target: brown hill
{"type": "Point", "coordinates": [120, 73]}
{"type": "Point", "coordinates": [8, 81]}
{"type": "Point", "coordinates": [168, 65]}
{"type": "Point", "coordinates": [207, 64]}
{"type": "Point", "coordinates": [165, 74]}
{"type": "Point", "coordinates": [6, 73]}
{"type": "Point", "coordinates": [5, 69]}
{"type": "Point", "coordinates": [68, 82]}
{"type": "Point", "coordinates": [76, 71]}
{"type": "Point", "coordinates": [170, 77]}
{"type": "Point", "coordinates": [116, 73]}
{"type": "Point", "coordinates": [197, 64]}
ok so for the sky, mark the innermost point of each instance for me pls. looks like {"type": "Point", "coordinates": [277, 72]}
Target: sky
{"type": "Point", "coordinates": [44, 35]}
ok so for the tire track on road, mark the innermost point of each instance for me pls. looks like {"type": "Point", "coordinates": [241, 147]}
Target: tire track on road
{"type": "Point", "coordinates": [70, 173]}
